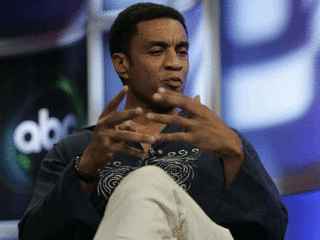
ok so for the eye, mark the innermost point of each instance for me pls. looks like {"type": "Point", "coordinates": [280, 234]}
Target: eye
{"type": "Point", "coordinates": [156, 52]}
{"type": "Point", "coordinates": [183, 53]}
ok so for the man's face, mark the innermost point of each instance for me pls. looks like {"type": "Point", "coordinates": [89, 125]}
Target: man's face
{"type": "Point", "coordinates": [159, 58]}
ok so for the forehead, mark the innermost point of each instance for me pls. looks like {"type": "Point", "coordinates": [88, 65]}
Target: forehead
{"type": "Point", "coordinates": [164, 29]}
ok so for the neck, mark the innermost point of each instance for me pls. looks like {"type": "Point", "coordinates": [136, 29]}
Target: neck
{"type": "Point", "coordinates": [142, 119]}
{"type": "Point", "coordinates": [133, 102]}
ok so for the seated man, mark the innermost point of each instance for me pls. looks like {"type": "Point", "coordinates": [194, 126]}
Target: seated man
{"type": "Point", "coordinates": [149, 171]}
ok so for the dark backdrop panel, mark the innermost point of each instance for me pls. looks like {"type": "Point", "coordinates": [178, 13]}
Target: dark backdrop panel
{"type": "Point", "coordinates": [43, 99]}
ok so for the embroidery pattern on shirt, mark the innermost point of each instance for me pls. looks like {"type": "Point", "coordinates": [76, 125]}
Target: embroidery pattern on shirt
{"type": "Point", "coordinates": [180, 166]}
{"type": "Point", "coordinates": [111, 176]}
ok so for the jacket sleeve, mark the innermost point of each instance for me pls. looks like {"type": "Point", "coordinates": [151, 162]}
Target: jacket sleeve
{"type": "Point", "coordinates": [59, 206]}
{"type": "Point", "coordinates": [253, 201]}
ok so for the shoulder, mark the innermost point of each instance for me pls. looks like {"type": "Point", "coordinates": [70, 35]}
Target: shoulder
{"type": "Point", "coordinates": [74, 144]}
{"type": "Point", "coordinates": [80, 137]}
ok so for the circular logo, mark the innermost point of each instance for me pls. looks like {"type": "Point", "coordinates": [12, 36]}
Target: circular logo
{"type": "Point", "coordinates": [42, 120]}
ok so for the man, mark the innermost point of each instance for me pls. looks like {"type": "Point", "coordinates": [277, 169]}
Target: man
{"type": "Point", "coordinates": [214, 164]}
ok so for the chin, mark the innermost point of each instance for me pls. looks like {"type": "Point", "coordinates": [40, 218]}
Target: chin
{"type": "Point", "coordinates": [163, 109]}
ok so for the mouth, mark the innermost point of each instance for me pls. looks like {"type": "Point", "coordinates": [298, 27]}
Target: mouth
{"type": "Point", "coordinates": [174, 82]}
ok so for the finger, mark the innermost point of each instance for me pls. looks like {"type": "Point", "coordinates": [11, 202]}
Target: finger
{"type": "Point", "coordinates": [174, 99]}
{"type": "Point", "coordinates": [116, 118]}
{"type": "Point", "coordinates": [131, 151]}
{"type": "Point", "coordinates": [169, 119]}
{"type": "Point", "coordinates": [128, 136]}
{"type": "Point", "coordinates": [115, 102]}
{"type": "Point", "coordinates": [197, 98]}
{"type": "Point", "coordinates": [122, 148]}
{"type": "Point", "coordinates": [173, 137]}
{"type": "Point", "coordinates": [127, 125]}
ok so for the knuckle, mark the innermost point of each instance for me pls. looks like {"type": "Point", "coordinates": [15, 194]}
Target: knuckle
{"type": "Point", "coordinates": [183, 103]}
{"type": "Point", "coordinates": [177, 118]}
{"type": "Point", "coordinates": [106, 142]}
{"type": "Point", "coordinates": [126, 124]}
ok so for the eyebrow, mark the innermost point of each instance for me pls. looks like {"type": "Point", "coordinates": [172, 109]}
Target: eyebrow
{"type": "Point", "coordinates": [164, 44]}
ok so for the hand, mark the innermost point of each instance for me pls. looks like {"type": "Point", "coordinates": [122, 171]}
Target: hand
{"type": "Point", "coordinates": [202, 127]}
{"type": "Point", "coordinates": [110, 134]}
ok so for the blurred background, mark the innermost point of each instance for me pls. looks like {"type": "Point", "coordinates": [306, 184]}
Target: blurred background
{"type": "Point", "coordinates": [255, 63]}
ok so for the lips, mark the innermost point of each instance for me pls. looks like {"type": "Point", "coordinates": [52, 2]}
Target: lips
{"type": "Point", "coordinates": [174, 82]}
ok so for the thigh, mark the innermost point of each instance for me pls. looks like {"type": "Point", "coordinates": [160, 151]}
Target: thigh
{"type": "Point", "coordinates": [148, 204]}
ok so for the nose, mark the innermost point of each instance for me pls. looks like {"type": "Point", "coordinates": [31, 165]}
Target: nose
{"type": "Point", "coordinates": [172, 61]}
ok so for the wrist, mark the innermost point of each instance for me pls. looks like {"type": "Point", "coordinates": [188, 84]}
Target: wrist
{"type": "Point", "coordinates": [234, 152]}
{"type": "Point", "coordinates": [84, 174]}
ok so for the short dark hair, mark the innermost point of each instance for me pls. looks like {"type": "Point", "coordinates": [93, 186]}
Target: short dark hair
{"type": "Point", "coordinates": [125, 25]}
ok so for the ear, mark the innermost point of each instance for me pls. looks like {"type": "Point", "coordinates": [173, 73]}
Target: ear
{"type": "Point", "coordinates": [121, 64]}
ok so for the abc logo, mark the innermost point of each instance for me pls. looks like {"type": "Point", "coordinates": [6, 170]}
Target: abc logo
{"type": "Point", "coordinates": [30, 137]}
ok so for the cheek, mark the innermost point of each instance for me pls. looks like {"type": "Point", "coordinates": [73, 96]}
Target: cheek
{"type": "Point", "coordinates": [187, 66]}
{"type": "Point", "coordinates": [148, 67]}
{"type": "Point", "coordinates": [185, 74]}
{"type": "Point", "coordinates": [146, 74]}
{"type": "Point", "coordinates": [152, 72]}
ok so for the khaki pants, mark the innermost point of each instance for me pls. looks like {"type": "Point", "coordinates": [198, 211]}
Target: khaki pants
{"type": "Point", "coordinates": [148, 205]}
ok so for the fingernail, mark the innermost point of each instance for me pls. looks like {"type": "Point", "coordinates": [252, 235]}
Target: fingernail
{"type": "Point", "coordinates": [138, 110]}
{"type": "Point", "coordinates": [157, 96]}
{"type": "Point", "coordinates": [161, 90]}
{"type": "Point", "coordinates": [150, 116]}
{"type": "Point", "coordinates": [133, 126]}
